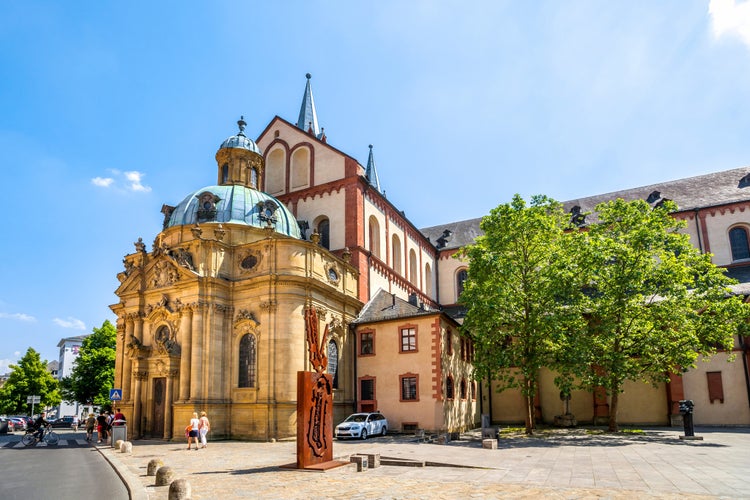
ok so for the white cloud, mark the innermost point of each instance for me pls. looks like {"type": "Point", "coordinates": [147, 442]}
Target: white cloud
{"type": "Point", "coordinates": [73, 323]}
{"type": "Point", "coordinates": [102, 181]}
{"type": "Point", "coordinates": [130, 181]}
{"type": "Point", "coordinates": [5, 365]}
{"type": "Point", "coordinates": [135, 181]}
{"type": "Point", "coordinates": [730, 18]}
{"type": "Point", "coordinates": [18, 316]}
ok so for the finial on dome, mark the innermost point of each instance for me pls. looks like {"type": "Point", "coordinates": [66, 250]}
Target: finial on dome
{"type": "Point", "coordinates": [241, 123]}
{"type": "Point", "coordinates": [308, 75]}
{"type": "Point", "coordinates": [370, 146]}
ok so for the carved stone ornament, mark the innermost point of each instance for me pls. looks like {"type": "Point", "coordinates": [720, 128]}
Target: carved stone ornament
{"type": "Point", "coordinates": [245, 322]}
{"type": "Point", "coordinates": [160, 246]}
{"type": "Point", "coordinates": [135, 349]}
{"type": "Point", "coordinates": [183, 258]}
{"type": "Point", "coordinates": [219, 232]}
{"type": "Point", "coordinates": [268, 305]}
{"type": "Point", "coordinates": [164, 274]}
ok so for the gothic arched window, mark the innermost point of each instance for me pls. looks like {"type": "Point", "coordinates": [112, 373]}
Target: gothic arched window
{"type": "Point", "coordinates": [247, 361]}
{"type": "Point", "coordinates": [739, 243]}
{"type": "Point", "coordinates": [461, 277]}
{"type": "Point", "coordinates": [324, 230]}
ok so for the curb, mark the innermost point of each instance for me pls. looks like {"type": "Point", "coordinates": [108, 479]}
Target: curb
{"type": "Point", "coordinates": [132, 483]}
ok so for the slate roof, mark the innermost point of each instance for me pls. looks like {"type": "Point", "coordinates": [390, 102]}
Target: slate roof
{"type": "Point", "coordinates": [460, 234]}
{"type": "Point", "coordinates": [702, 191]}
{"type": "Point", "coordinates": [385, 306]}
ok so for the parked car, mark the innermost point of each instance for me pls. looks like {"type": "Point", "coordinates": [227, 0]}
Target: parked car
{"type": "Point", "coordinates": [68, 422]}
{"type": "Point", "coordinates": [6, 426]}
{"type": "Point", "coordinates": [19, 422]}
{"type": "Point", "coordinates": [362, 425]}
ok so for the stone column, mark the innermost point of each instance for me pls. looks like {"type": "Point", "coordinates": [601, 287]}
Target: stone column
{"type": "Point", "coordinates": [120, 353]}
{"type": "Point", "coordinates": [168, 404]}
{"type": "Point", "coordinates": [186, 340]}
{"type": "Point", "coordinates": [196, 355]}
{"type": "Point", "coordinates": [137, 402]}
{"type": "Point", "coordinates": [127, 363]}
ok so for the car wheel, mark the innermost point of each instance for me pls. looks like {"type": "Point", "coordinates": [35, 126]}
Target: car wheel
{"type": "Point", "coordinates": [383, 431]}
{"type": "Point", "coordinates": [364, 434]}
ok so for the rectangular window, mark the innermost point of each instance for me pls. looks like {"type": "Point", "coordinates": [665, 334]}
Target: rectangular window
{"type": "Point", "coordinates": [715, 387]}
{"type": "Point", "coordinates": [366, 343]}
{"type": "Point", "coordinates": [409, 388]}
{"type": "Point", "coordinates": [408, 339]}
{"type": "Point", "coordinates": [449, 342]}
{"type": "Point", "coordinates": [367, 389]}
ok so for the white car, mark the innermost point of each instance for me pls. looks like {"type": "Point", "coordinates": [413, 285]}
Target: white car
{"type": "Point", "coordinates": [361, 425]}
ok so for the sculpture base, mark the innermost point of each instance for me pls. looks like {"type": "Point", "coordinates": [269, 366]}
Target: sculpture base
{"type": "Point", "coordinates": [314, 420]}
{"type": "Point", "coordinates": [321, 467]}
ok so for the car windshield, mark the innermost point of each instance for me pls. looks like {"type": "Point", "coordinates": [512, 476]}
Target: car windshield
{"type": "Point", "coordinates": [357, 417]}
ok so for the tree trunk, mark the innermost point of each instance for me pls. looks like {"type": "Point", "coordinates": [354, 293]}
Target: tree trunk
{"type": "Point", "coordinates": [613, 410]}
{"type": "Point", "coordinates": [529, 408]}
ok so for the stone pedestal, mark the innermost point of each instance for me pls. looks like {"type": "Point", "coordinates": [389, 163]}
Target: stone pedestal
{"type": "Point", "coordinates": [314, 419]}
{"type": "Point", "coordinates": [489, 444]}
{"type": "Point", "coordinates": [567, 420]}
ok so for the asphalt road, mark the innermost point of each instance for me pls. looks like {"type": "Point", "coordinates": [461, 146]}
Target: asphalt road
{"type": "Point", "coordinates": [72, 469]}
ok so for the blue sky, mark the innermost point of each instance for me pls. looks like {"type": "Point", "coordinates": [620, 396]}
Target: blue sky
{"type": "Point", "coordinates": [109, 110]}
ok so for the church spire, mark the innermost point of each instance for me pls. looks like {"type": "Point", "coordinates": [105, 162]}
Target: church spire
{"type": "Point", "coordinates": [372, 173]}
{"type": "Point", "coordinates": [308, 117]}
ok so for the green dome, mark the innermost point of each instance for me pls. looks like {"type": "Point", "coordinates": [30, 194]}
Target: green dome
{"type": "Point", "coordinates": [234, 204]}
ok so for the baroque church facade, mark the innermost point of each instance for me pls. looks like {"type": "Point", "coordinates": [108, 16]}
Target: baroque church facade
{"type": "Point", "coordinates": [212, 317]}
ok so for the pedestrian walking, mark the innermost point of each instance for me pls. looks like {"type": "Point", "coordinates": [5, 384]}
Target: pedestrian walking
{"type": "Point", "coordinates": [203, 427]}
{"type": "Point", "coordinates": [192, 430]}
{"type": "Point", "coordinates": [101, 426]}
{"type": "Point", "coordinates": [90, 426]}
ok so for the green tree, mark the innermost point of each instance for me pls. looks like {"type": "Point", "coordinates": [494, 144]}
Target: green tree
{"type": "Point", "coordinates": [518, 293]}
{"type": "Point", "coordinates": [654, 302]}
{"type": "Point", "coordinates": [28, 378]}
{"type": "Point", "coordinates": [93, 373]}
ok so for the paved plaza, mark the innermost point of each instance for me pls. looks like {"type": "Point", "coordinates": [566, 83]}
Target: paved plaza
{"type": "Point", "coordinates": [557, 465]}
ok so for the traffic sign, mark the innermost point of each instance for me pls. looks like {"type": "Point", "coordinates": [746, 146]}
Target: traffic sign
{"type": "Point", "coordinates": [33, 399]}
{"type": "Point", "coordinates": [115, 394]}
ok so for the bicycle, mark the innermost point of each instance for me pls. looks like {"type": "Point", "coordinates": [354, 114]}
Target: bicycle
{"type": "Point", "coordinates": [48, 436]}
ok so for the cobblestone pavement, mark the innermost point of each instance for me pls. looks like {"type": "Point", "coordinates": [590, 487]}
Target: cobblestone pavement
{"type": "Point", "coordinates": [556, 465]}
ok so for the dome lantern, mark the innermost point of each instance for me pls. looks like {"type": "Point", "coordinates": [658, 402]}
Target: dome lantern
{"type": "Point", "coordinates": [239, 160]}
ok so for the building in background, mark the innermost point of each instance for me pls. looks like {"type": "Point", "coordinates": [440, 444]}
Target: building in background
{"type": "Point", "coordinates": [69, 348]}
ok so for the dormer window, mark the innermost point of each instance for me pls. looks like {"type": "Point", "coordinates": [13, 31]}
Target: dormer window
{"type": "Point", "coordinates": [207, 206]}
{"type": "Point", "coordinates": [577, 218]}
{"type": "Point", "coordinates": [744, 182]}
{"type": "Point", "coordinates": [655, 195]}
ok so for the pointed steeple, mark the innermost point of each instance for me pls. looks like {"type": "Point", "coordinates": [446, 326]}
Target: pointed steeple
{"type": "Point", "coordinates": [372, 173]}
{"type": "Point", "coordinates": [308, 117]}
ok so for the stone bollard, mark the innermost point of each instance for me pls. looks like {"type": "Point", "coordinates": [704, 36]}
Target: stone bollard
{"type": "Point", "coordinates": [118, 444]}
{"type": "Point", "coordinates": [373, 460]}
{"type": "Point", "coordinates": [489, 444]}
{"type": "Point", "coordinates": [164, 476]}
{"type": "Point", "coordinates": [126, 447]}
{"type": "Point", "coordinates": [180, 490]}
{"type": "Point", "coordinates": [153, 464]}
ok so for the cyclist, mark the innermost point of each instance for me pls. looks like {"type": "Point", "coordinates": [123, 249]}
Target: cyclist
{"type": "Point", "coordinates": [39, 425]}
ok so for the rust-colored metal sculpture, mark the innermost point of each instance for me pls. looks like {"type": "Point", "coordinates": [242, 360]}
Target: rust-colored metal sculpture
{"type": "Point", "coordinates": [315, 345]}
{"type": "Point", "coordinates": [315, 402]}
